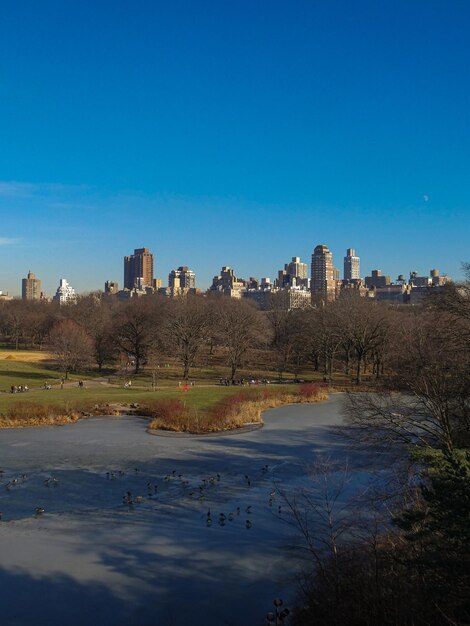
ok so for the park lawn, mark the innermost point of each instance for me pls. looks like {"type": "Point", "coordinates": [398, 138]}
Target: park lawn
{"type": "Point", "coordinates": [170, 374]}
{"type": "Point", "coordinates": [199, 398]}
{"type": "Point", "coordinates": [33, 374]}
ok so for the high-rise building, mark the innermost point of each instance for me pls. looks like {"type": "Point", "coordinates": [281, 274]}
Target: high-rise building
{"type": "Point", "coordinates": [138, 269]}
{"type": "Point", "coordinates": [65, 293]}
{"type": "Point", "coordinates": [182, 278]}
{"type": "Point", "coordinates": [31, 287]}
{"type": "Point", "coordinates": [294, 274]}
{"type": "Point", "coordinates": [323, 285]}
{"type": "Point", "coordinates": [297, 268]}
{"type": "Point", "coordinates": [351, 265]}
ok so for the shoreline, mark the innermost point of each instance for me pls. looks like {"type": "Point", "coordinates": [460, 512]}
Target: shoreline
{"type": "Point", "coordinates": [122, 411]}
{"type": "Point", "coordinates": [247, 428]}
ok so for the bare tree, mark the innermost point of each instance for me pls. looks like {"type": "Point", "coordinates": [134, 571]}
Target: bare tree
{"type": "Point", "coordinates": [454, 298]}
{"type": "Point", "coordinates": [284, 332]}
{"type": "Point", "coordinates": [41, 318]}
{"type": "Point", "coordinates": [325, 335]}
{"type": "Point", "coordinates": [15, 321]}
{"type": "Point", "coordinates": [324, 517]}
{"type": "Point", "coordinates": [95, 315]}
{"type": "Point", "coordinates": [136, 326]}
{"type": "Point", "coordinates": [431, 402]}
{"type": "Point", "coordinates": [240, 328]}
{"type": "Point", "coordinates": [186, 329]}
{"type": "Point", "coordinates": [365, 326]}
{"type": "Point", "coordinates": [71, 346]}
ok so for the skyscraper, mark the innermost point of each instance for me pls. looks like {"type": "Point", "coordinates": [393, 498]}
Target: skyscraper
{"type": "Point", "coordinates": [294, 274]}
{"type": "Point", "coordinates": [138, 269]}
{"type": "Point", "coordinates": [351, 265]}
{"type": "Point", "coordinates": [323, 285]}
{"type": "Point", "coordinates": [31, 287]}
{"type": "Point", "coordinates": [182, 278]}
{"type": "Point", "coordinates": [296, 268]}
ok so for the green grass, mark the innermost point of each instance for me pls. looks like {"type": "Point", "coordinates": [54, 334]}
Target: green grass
{"type": "Point", "coordinates": [22, 373]}
{"type": "Point", "coordinates": [35, 374]}
{"type": "Point", "coordinates": [197, 397]}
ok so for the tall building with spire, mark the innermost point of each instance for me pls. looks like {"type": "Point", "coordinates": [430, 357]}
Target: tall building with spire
{"type": "Point", "coordinates": [351, 265]}
{"type": "Point", "coordinates": [31, 287]}
{"type": "Point", "coordinates": [138, 269]}
{"type": "Point", "coordinates": [323, 284]}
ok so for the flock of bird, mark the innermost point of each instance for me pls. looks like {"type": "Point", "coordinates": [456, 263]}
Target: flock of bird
{"type": "Point", "coordinates": [196, 490]}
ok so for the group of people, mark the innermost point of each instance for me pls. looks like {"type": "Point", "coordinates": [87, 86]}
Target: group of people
{"type": "Point", "coordinates": [227, 382]}
{"type": "Point", "coordinates": [46, 386]}
{"type": "Point", "coordinates": [19, 388]}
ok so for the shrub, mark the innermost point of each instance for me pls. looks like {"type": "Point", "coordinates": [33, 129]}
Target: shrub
{"type": "Point", "coordinates": [166, 408]}
{"type": "Point", "coordinates": [167, 414]}
{"type": "Point", "coordinates": [31, 414]}
{"type": "Point", "coordinates": [231, 404]}
{"type": "Point", "coordinates": [312, 390]}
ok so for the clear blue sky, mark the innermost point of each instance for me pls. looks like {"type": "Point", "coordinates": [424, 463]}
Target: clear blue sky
{"type": "Point", "coordinates": [235, 133]}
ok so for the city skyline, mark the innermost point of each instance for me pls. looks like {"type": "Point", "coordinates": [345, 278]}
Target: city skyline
{"type": "Point", "coordinates": [232, 134]}
{"type": "Point", "coordinates": [274, 275]}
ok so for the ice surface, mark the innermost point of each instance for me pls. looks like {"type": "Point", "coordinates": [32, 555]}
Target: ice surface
{"type": "Point", "coordinates": [124, 539]}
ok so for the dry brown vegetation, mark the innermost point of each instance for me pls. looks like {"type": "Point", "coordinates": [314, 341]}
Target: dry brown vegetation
{"type": "Point", "coordinates": [26, 356]}
{"type": "Point", "coordinates": [24, 414]}
{"type": "Point", "coordinates": [30, 414]}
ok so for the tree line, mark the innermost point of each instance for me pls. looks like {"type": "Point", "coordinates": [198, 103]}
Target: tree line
{"type": "Point", "coordinates": [351, 336]}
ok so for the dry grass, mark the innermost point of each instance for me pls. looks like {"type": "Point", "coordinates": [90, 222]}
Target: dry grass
{"type": "Point", "coordinates": [30, 414]}
{"type": "Point", "coordinates": [25, 356]}
{"type": "Point", "coordinates": [24, 414]}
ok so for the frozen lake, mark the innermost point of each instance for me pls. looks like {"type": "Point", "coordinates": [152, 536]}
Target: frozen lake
{"type": "Point", "coordinates": [90, 558]}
